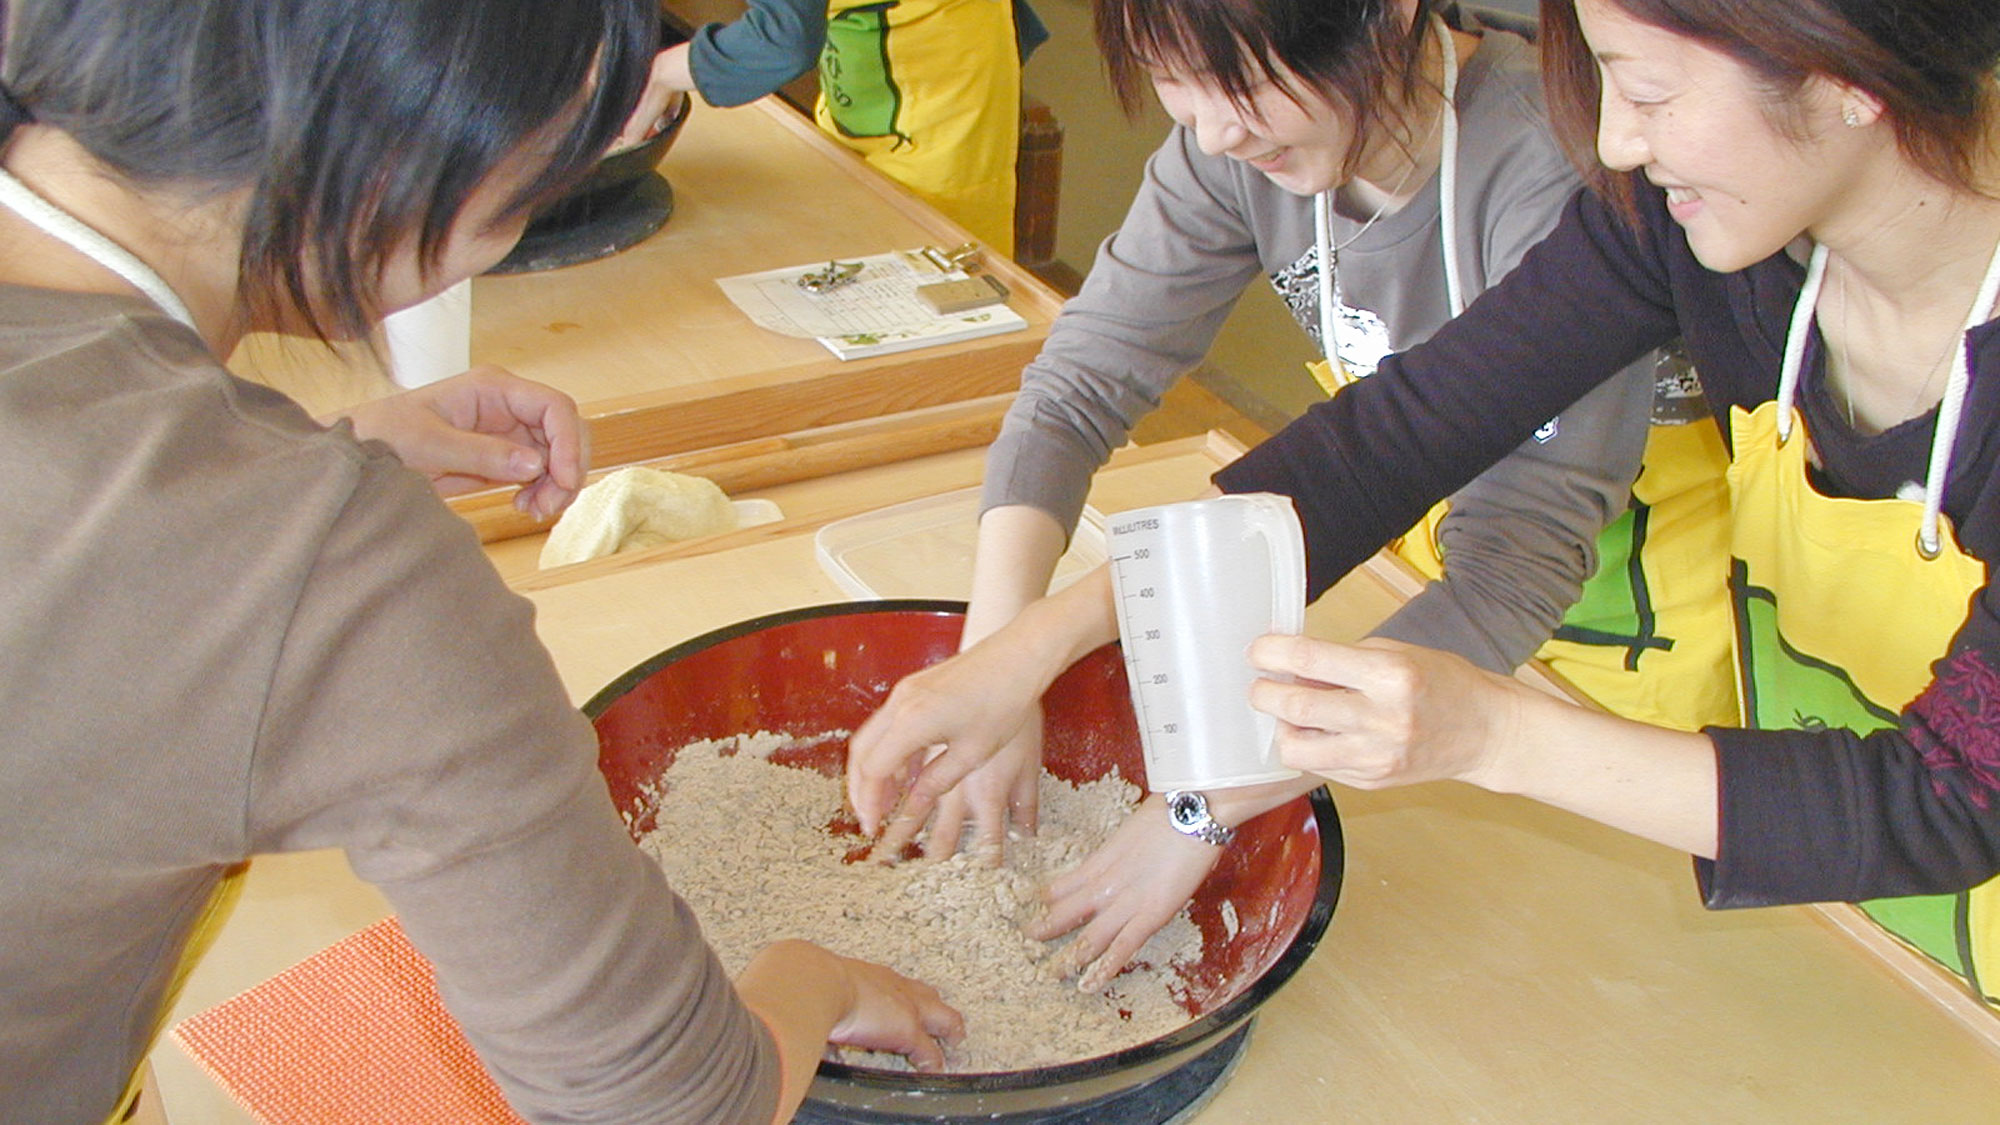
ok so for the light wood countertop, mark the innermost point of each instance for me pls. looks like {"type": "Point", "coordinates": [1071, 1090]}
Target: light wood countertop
{"type": "Point", "coordinates": [658, 357]}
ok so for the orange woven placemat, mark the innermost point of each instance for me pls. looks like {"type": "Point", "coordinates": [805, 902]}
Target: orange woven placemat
{"type": "Point", "coordinates": [354, 1035]}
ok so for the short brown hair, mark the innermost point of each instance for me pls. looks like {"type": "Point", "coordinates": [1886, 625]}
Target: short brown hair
{"type": "Point", "coordinates": [1929, 62]}
{"type": "Point", "coordinates": [1356, 53]}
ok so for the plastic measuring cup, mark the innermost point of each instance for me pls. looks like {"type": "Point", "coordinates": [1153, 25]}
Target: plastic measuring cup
{"type": "Point", "coordinates": [1195, 583]}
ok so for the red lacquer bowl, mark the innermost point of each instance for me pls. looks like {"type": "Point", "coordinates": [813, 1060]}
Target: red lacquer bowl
{"type": "Point", "coordinates": [829, 667]}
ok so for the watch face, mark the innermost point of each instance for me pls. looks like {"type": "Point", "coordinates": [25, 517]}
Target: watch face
{"type": "Point", "coordinates": [1187, 809]}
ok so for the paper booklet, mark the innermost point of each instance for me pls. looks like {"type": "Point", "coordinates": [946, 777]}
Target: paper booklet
{"type": "Point", "coordinates": [867, 306]}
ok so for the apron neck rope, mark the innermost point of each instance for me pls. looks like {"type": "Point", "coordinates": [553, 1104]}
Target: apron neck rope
{"type": "Point", "coordinates": [1329, 300]}
{"type": "Point", "coordinates": [1929, 538]}
{"type": "Point", "coordinates": [85, 239]}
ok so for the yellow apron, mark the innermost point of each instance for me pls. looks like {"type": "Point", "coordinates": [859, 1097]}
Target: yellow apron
{"type": "Point", "coordinates": [207, 927]}
{"type": "Point", "coordinates": [1648, 638]}
{"type": "Point", "coordinates": [1806, 658]}
{"type": "Point", "coordinates": [929, 92]}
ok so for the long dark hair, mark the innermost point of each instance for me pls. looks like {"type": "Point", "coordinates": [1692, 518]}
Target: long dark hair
{"type": "Point", "coordinates": [355, 124]}
{"type": "Point", "coordinates": [1930, 63]}
{"type": "Point", "coordinates": [1361, 54]}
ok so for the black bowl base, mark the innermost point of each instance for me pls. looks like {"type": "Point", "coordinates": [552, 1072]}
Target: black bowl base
{"type": "Point", "coordinates": [596, 231]}
{"type": "Point", "coordinates": [1171, 1099]}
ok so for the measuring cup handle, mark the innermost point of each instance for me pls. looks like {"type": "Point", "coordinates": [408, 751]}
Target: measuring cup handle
{"type": "Point", "coordinates": [1277, 524]}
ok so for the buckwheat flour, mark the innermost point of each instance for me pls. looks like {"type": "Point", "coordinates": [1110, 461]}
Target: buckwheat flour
{"type": "Point", "coordinates": [760, 851]}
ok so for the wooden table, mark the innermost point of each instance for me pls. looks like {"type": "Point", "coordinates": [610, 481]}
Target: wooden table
{"type": "Point", "coordinates": [658, 357]}
{"type": "Point", "coordinates": [1491, 959]}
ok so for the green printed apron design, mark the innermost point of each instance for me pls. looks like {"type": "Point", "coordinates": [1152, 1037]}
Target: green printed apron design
{"type": "Point", "coordinates": [928, 92]}
{"type": "Point", "coordinates": [1801, 563]}
{"type": "Point", "coordinates": [1649, 638]}
{"type": "Point", "coordinates": [855, 75]}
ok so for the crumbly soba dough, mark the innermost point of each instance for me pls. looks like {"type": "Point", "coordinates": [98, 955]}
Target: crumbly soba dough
{"type": "Point", "coordinates": [748, 844]}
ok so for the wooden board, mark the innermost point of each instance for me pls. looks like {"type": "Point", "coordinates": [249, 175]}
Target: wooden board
{"type": "Point", "coordinates": [656, 354]}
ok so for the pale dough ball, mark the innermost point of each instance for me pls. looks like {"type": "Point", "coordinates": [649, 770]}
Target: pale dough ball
{"type": "Point", "coordinates": [637, 507]}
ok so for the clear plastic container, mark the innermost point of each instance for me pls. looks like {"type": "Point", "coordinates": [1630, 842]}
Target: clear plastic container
{"type": "Point", "coordinates": [924, 549]}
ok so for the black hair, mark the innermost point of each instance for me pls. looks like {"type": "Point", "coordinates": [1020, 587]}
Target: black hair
{"type": "Point", "coordinates": [355, 124]}
{"type": "Point", "coordinates": [1361, 54]}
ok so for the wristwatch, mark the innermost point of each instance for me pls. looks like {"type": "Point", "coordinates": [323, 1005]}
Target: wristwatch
{"type": "Point", "coordinates": [1187, 810]}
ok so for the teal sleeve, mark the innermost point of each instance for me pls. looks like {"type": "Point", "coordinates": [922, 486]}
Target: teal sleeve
{"type": "Point", "coordinates": [767, 46]}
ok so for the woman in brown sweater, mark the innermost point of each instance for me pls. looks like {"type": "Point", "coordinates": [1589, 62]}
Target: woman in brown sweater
{"type": "Point", "coordinates": [226, 629]}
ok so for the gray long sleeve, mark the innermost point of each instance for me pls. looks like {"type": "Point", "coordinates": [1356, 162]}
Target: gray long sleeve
{"type": "Point", "coordinates": [1519, 540]}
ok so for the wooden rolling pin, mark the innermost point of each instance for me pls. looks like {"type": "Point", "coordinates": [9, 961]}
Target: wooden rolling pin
{"type": "Point", "coordinates": [762, 462]}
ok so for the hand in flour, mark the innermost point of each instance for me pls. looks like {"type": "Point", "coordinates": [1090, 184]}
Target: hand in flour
{"type": "Point", "coordinates": [973, 705]}
{"type": "Point", "coordinates": [809, 997]}
{"type": "Point", "coordinates": [965, 709]}
{"type": "Point", "coordinates": [485, 427]}
{"type": "Point", "coordinates": [1000, 792]}
{"type": "Point", "coordinates": [1122, 894]}
{"type": "Point", "coordinates": [891, 1012]}
{"type": "Point", "coordinates": [1126, 890]}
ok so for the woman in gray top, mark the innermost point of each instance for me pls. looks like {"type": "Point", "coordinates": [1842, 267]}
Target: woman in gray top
{"type": "Point", "coordinates": [1308, 132]}
{"type": "Point", "coordinates": [226, 629]}
{"type": "Point", "coordinates": [1380, 165]}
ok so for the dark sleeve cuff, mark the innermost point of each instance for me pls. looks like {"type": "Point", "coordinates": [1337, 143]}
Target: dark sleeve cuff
{"type": "Point", "coordinates": [1783, 832]}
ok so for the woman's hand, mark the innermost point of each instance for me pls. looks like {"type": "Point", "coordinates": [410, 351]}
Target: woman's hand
{"type": "Point", "coordinates": [809, 997]}
{"type": "Point", "coordinates": [1123, 893]}
{"type": "Point", "coordinates": [1382, 713]}
{"type": "Point", "coordinates": [891, 1012]}
{"type": "Point", "coordinates": [972, 705]}
{"type": "Point", "coordinates": [1012, 563]}
{"type": "Point", "coordinates": [485, 427]}
{"type": "Point", "coordinates": [1126, 890]}
{"type": "Point", "coordinates": [1005, 791]}
{"type": "Point", "coordinates": [966, 709]}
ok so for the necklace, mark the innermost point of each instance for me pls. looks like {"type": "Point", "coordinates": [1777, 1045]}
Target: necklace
{"type": "Point", "coordinates": [1847, 372]}
{"type": "Point", "coordinates": [1930, 541]}
{"type": "Point", "coordinates": [1394, 194]}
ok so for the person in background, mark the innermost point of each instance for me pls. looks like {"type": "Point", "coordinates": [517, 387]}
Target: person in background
{"type": "Point", "coordinates": [231, 630]}
{"type": "Point", "coordinates": [927, 91]}
{"type": "Point", "coordinates": [1807, 193]}
{"type": "Point", "coordinates": [771, 43]}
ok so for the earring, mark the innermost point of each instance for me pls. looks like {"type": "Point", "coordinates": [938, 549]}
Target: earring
{"type": "Point", "coordinates": [1850, 117]}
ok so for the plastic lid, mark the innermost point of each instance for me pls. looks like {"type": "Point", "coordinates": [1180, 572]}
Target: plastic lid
{"type": "Point", "coordinates": [924, 549]}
